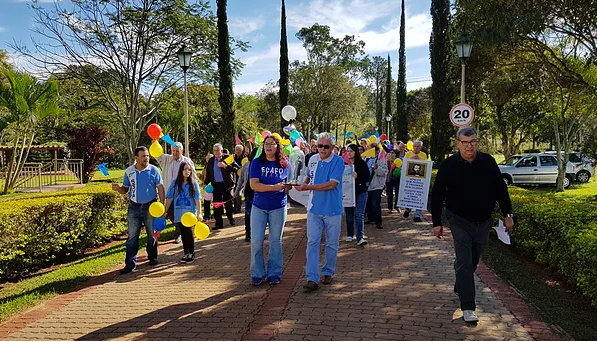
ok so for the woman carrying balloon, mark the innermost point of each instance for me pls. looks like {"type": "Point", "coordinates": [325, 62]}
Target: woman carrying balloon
{"type": "Point", "coordinates": [186, 196]}
{"type": "Point", "coordinates": [268, 173]}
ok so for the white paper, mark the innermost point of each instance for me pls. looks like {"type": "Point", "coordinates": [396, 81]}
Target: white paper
{"type": "Point", "coordinates": [348, 187]}
{"type": "Point", "coordinates": [301, 197]}
{"type": "Point", "coordinates": [503, 235]}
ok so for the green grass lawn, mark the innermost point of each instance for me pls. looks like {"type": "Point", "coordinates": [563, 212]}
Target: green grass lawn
{"type": "Point", "coordinates": [32, 291]}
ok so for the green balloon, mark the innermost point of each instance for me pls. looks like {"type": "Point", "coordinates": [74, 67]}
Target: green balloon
{"type": "Point", "coordinates": [396, 173]}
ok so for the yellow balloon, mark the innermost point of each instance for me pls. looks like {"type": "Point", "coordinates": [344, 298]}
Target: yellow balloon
{"type": "Point", "coordinates": [372, 139]}
{"type": "Point", "coordinates": [201, 231]}
{"type": "Point", "coordinates": [238, 171]}
{"type": "Point", "coordinates": [156, 150]}
{"type": "Point", "coordinates": [285, 142]}
{"type": "Point", "coordinates": [156, 209]}
{"type": "Point", "coordinates": [188, 219]}
{"type": "Point", "coordinates": [245, 160]}
{"type": "Point", "coordinates": [398, 162]}
{"type": "Point", "coordinates": [409, 145]}
{"type": "Point", "coordinates": [277, 136]}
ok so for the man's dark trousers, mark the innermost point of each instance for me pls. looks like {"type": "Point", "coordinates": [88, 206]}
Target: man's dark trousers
{"type": "Point", "coordinates": [221, 194]}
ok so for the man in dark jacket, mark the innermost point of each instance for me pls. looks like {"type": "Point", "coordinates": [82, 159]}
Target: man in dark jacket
{"type": "Point", "coordinates": [221, 176]}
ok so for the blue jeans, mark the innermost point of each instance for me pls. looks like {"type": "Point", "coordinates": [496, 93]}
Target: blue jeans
{"type": "Point", "coordinates": [332, 226]}
{"type": "Point", "coordinates": [275, 258]}
{"type": "Point", "coordinates": [375, 213]}
{"type": "Point", "coordinates": [248, 206]}
{"type": "Point", "coordinates": [356, 214]}
{"type": "Point", "coordinates": [417, 212]}
{"type": "Point", "coordinates": [392, 188]}
{"type": "Point", "coordinates": [138, 215]}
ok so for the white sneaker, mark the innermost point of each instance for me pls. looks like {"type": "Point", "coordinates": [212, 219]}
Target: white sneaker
{"type": "Point", "coordinates": [362, 242]}
{"type": "Point", "coordinates": [178, 239]}
{"type": "Point", "coordinates": [470, 316]}
{"type": "Point", "coordinates": [349, 239]}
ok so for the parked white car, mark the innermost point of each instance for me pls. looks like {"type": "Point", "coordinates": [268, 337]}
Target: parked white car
{"type": "Point", "coordinates": [584, 166]}
{"type": "Point", "coordinates": [534, 168]}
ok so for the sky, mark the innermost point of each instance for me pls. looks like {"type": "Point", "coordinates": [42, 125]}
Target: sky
{"type": "Point", "coordinates": [376, 22]}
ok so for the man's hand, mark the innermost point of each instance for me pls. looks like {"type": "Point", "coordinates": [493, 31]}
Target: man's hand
{"type": "Point", "coordinates": [375, 166]}
{"type": "Point", "coordinates": [438, 231]}
{"type": "Point", "coordinates": [115, 187]}
{"type": "Point", "coordinates": [354, 175]}
{"type": "Point", "coordinates": [222, 165]}
{"type": "Point", "coordinates": [508, 223]}
{"type": "Point", "coordinates": [302, 187]}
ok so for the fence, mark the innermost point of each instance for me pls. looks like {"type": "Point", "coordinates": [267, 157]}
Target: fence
{"type": "Point", "coordinates": [38, 175]}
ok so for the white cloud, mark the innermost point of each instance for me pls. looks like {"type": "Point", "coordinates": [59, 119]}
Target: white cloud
{"type": "Point", "coordinates": [249, 88]}
{"type": "Point", "coordinates": [243, 26]}
{"type": "Point", "coordinates": [295, 52]}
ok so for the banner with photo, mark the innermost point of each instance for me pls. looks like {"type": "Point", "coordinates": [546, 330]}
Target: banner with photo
{"type": "Point", "coordinates": [414, 183]}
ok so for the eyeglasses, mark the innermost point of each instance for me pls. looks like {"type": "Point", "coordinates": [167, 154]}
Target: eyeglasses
{"type": "Point", "coordinates": [270, 144]}
{"type": "Point", "coordinates": [473, 142]}
{"type": "Point", "coordinates": [326, 147]}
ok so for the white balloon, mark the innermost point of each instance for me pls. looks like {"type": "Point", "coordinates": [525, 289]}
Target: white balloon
{"type": "Point", "coordinates": [289, 113]}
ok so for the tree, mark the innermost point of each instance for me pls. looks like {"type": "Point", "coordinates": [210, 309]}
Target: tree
{"type": "Point", "coordinates": [89, 144]}
{"type": "Point", "coordinates": [375, 74]}
{"type": "Point", "coordinates": [26, 101]}
{"type": "Point", "coordinates": [226, 97]}
{"type": "Point", "coordinates": [441, 91]}
{"type": "Point", "coordinates": [133, 44]}
{"type": "Point", "coordinates": [388, 93]}
{"type": "Point", "coordinates": [283, 64]}
{"type": "Point", "coordinates": [418, 110]}
{"type": "Point", "coordinates": [401, 122]}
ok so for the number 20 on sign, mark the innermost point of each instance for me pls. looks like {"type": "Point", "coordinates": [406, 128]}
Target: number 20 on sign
{"type": "Point", "coordinates": [462, 115]}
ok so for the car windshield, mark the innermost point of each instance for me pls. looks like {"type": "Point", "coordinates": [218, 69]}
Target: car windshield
{"type": "Point", "coordinates": [511, 161]}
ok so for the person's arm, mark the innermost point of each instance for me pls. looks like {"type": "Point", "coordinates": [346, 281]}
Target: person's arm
{"type": "Point", "coordinates": [167, 206]}
{"type": "Point", "coordinates": [502, 196]}
{"type": "Point", "coordinates": [198, 202]}
{"type": "Point", "coordinates": [438, 196]}
{"type": "Point", "coordinates": [161, 194]}
{"type": "Point", "coordinates": [329, 185]}
{"type": "Point", "coordinates": [382, 168]}
{"type": "Point", "coordinates": [256, 185]}
{"type": "Point", "coordinates": [124, 189]}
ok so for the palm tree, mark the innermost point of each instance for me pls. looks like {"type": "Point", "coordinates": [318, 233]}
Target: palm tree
{"type": "Point", "coordinates": [25, 100]}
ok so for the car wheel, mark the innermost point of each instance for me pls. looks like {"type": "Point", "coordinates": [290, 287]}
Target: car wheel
{"type": "Point", "coordinates": [583, 176]}
{"type": "Point", "coordinates": [507, 179]}
{"type": "Point", "coordinates": [567, 182]}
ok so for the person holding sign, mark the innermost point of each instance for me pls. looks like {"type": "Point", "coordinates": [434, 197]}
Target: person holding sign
{"type": "Point", "coordinates": [416, 153]}
{"type": "Point", "coordinates": [268, 175]}
{"type": "Point", "coordinates": [324, 211]}
{"type": "Point", "coordinates": [356, 215]}
{"type": "Point", "coordinates": [466, 188]}
{"type": "Point", "coordinates": [185, 196]}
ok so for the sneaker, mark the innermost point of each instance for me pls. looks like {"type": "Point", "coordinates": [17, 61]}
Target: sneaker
{"type": "Point", "coordinates": [128, 270]}
{"type": "Point", "coordinates": [389, 211]}
{"type": "Point", "coordinates": [183, 260]}
{"type": "Point", "coordinates": [327, 279]}
{"type": "Point", "coordinates": [470, 316]}
{"type": "Point", "coordinates": [406, 213]}
{"type": "Point", "coordinates": [349, 239]}
{"type": "Point", "coordinates": [153, 262]}
{"type": "Point", "coordinates": [178, 239]}
{"type": "Point", "coordinates": [310, 286]}
{"type": "Point", "coordinates": [274, 281]}
{"type": "Point", "coordinates": [417, 219]}
{"type": "Point", "coordinates": [362, 242]}
{"type": "Point", "coordinates": [256, 282]}
{"type": "Point", "coordinates": [379, 226]}
{"type": "Point", "coordinates": [232, 223]}
{"type": "Point", "coordinates": [190, 257]}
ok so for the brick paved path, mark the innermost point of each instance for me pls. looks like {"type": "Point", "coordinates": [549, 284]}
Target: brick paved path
{"type": "Point", "coordinates": [399, 287]}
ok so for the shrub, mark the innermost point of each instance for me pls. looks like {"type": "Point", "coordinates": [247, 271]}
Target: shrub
{"type": "Point", "coordinates": [42, 230]}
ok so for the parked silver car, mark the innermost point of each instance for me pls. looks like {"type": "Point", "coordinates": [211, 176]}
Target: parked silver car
{"type": "Point", "coordinates": [584, 166]}
{"type": "Point", "coordinates": [534, 168]}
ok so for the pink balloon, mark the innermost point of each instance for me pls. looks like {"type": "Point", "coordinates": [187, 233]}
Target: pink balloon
{"type": "Point", "coordinates": [208, 196]}
{"type": "Point", "coordinates": [266, 134]}
{"type": "Point", "coordinates": [298, 141]}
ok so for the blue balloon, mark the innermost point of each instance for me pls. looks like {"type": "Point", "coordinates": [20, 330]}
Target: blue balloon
{"type": "Point", "coordinates": [159, 224]}
{"type": "Point", "coordinates": [295, 134]}
{"type": "Point", "coordinates": [209, 188]}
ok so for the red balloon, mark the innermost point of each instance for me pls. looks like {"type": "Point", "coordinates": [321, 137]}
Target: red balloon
{"type": "Point", "coordinates": [383, 137]}
{"type": "Point", "coordinates": [154, 130]}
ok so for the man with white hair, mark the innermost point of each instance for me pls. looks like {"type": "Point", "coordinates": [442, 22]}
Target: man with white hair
{"type": "Point", "coordinates": [170, 163]}
{"type": "Point", "coordinates": [324, 211]}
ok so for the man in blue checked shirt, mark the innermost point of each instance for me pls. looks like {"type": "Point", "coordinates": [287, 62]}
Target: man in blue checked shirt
{"type": "Point", "coordinates": [143, 183]}
{"type": "Point", "coordinates": [324, 211]}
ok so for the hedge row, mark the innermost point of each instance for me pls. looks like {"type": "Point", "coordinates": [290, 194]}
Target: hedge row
{"type": "Point", "coordinates": [560, 232]}
{"type": "Point", "coordinates": [42, 230]}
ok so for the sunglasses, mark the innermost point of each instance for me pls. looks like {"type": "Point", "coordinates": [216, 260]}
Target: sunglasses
{"type": "Point", "coordinates": [326, 147]}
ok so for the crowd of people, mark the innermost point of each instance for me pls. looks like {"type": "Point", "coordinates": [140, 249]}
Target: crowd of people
{"type": "Point", "coordinates": [265, 180]}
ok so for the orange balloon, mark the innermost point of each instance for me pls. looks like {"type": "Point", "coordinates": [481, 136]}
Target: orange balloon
{"type": "Point", "coordinates": [154, 130]}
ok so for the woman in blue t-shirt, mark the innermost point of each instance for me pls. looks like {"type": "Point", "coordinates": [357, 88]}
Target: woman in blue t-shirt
{"type": "Point", "coordinates": [185, 194]}
{"type": "Point", "coordinates": [267, 176]}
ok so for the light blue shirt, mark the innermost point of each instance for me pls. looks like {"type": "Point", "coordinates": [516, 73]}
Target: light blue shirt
{"type": "Point", "coordinates": [217, 171]}
{"type": "Point", "coordinates": [182, 201]}
{"type": "Point", "coordinates": [142, 184]}
{"type": "Point", "coordinates": [328, 202]}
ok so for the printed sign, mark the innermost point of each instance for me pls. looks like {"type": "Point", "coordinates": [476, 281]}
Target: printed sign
{"type": "Point", "coordinates": [414, 183]}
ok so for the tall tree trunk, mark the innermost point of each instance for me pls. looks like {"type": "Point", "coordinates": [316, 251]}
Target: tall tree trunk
{"type": "Point", "coordinates": [401, 124]}
{"type": "Point", "coordinates": [441, 91]}
{"type": "Point", "coordinates": [283, 66]}
{"type": "Point", "coordinates": [226, 96]}
{"type": "Point", "coordinates": [388, 95]}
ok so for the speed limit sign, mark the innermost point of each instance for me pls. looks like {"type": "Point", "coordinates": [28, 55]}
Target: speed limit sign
{"type": "Point", "coordinates": [462, 115]}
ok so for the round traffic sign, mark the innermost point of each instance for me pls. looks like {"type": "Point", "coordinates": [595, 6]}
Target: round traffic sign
{"type": "Point", "coordinates": [462, 115]}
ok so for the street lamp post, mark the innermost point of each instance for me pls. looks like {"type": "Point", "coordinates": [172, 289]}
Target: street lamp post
{"type": "Point", "coordinates": [463, 49]}
{"type": "Point", "coordinates": [184, 59]}
{"type": "Point", "coordinates": [389, 119]}
{"type": "Point", "coordinates": [308, 130]}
